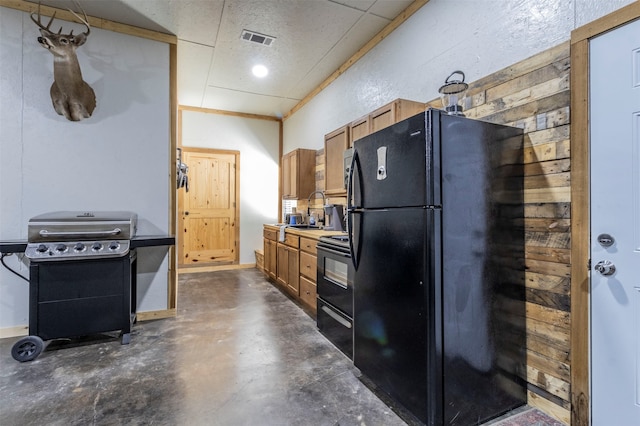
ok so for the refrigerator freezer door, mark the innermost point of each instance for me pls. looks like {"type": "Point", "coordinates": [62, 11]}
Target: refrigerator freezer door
{"type": "Point", "coordinates": [394, 166]}
{"type": "Point", "coordinates": [394, 305]}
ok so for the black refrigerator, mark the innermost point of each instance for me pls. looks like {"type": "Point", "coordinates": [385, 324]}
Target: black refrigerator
{"type": "Point", "coordinates": [435, 207]}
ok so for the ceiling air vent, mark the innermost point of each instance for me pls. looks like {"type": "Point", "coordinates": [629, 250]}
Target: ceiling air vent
{"type": "Point", "coordinates": [255, 37]}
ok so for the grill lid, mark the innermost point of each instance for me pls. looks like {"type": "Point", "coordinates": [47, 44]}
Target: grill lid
{"type": "Point", "coordinates": [82, 226]}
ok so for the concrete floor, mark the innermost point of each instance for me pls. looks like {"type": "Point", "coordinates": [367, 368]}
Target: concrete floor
{"type": "Point", "coordinates": [239, 353]}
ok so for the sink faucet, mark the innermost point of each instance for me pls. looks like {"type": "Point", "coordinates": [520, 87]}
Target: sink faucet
{"type": "Point", "coordinates": [309, 202]}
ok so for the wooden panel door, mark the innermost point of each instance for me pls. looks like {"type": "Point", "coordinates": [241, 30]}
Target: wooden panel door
{"type": "Point", "coordinates": [209, 212]}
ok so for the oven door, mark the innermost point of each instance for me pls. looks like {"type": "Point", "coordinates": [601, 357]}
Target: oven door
{"type": "Point", "coordinates": [336, 327]}
{"type": "Point", "coordinates": [335, 279]}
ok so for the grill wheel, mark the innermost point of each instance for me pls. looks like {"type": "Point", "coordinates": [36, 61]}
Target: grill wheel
{"type": "Point", "coordinates": [27, 349]}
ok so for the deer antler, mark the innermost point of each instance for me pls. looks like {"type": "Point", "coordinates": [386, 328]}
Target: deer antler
{"type": "Point", "coordinates": [84, 20]}
{"type": "Point", "coordinates": [39, 23]}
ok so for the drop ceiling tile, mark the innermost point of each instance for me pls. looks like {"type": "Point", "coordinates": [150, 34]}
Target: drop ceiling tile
{"type": "Point", "coordinates": [389, 8]}
{"type": "Point", "coordinates": [193, 68]}
{"type": "Point", "coordinates": [356, 38]}
{"type": "Point", "coordinates": [305, 32]}
{"type": "Point", "coordinates": [230, 100]}
{"type": "Point", "coordinates": [362, 5]}
{"type": "Point", "coordinates": [193, 20]}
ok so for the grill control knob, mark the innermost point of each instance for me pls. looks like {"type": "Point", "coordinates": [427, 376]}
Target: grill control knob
{"type": "Point", "coordinates": [114, 245]}
{"type": "Point", "coordinates": [79, 247]}
{"type": "Point", "coordinates": [42, 248]}
{"type": "Point", "coordinates": [96, 246]}
{"type": "Point", "coordinates": [61, 248]}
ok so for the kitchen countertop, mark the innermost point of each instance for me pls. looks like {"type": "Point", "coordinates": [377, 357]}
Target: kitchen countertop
{"type": "Point", "coordinates": [305, 232]}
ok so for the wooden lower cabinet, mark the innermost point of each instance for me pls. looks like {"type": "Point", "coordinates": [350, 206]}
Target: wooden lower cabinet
{"type": "Point", "coordinates": [308, 265]}
{"type": "Point", "coordinates": [270, 252]}
{"type": "Point", "coordinates": [308, 292]}
{"type": "Point", "coordinates": [288, 264]}
{"type": "Point", "coordinates": [308, 272]}
{"type": "Point", "coordinates": [292, 264]}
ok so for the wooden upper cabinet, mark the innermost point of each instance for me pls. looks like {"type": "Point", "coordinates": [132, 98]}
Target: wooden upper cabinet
{"type": "Point", "coordinates": [335, 143]}
{"type": "Point", "coordinates": [393, 112]}
{"type": "Point", "coordinates": [298, 174]}
{"type": "Point", "coordinates": [382, 117]}
{"type": "Point", "coordinates": [359, 129]}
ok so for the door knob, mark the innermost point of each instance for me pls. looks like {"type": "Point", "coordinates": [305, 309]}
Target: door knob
{"type": "Point", "coordinates": [605, 267]}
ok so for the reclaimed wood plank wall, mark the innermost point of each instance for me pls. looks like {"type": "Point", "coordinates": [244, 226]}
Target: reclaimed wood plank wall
{"type": "Point", "coordinates": [534, 95]}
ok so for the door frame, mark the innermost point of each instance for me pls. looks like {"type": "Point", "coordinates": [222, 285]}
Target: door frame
{"type": "Point", "coordinates": [580, 207]}
{"type": "Point", "coordinates": [180, 211]}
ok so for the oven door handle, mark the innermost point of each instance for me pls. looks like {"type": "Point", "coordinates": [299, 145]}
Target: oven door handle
{"type": "Point", "coordinates": [336, 317]}
{"type": "Point", "coordinates": [114, 231]}
{"type": "Point", "coordinates": [333, 251]}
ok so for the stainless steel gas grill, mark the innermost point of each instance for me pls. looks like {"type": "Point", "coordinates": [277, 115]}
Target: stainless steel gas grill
{"type": "Point", "coordinates": [82, 277]}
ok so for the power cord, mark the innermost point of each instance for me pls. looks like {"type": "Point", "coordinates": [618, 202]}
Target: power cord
{"type": "Point", "coordinates": [11, 270]}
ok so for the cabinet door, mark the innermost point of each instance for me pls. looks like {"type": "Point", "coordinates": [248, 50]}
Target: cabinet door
{"type": "Point", "coordinates": [288, 175]}
{"type": "Point", "coordinates": [270, 257]}
{"type": "Point", "coordinates": [266, 259]}
{"type": "Point", "coordinates": [298, 174]}
{"type": "Point", "coordinates": [282, 271]}
{"type": "Point", "coordinates": [335, 144]}
{"type": "Point", "coordinates": [293, 272]}
{"type": "Point", "coordinates": [383, 117]}
{"type": "Point", "coordinates": [389, 114]}
{"type": "Point", "coordinates": [359, 129]}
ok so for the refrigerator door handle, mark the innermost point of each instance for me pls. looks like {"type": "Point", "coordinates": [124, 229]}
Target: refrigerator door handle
{"type": "Point", "coordinates": [350, 208]}
{"type": "Point", "coordinates": [354, 158]}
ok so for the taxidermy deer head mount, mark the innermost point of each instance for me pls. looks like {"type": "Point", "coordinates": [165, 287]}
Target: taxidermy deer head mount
{"type": "Point", "coordinates": [71, 95]}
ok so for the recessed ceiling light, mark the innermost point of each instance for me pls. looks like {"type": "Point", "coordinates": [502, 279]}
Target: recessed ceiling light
{"type": "Point", "coordinates": [260, 71]}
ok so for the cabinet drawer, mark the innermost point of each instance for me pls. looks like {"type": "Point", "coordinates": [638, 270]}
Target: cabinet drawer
{"type": "Point", "coordinates": [308, 245]}
{"type": "Point", "coordinates": [270, 234]}
{"type": "Point", "coordinates": [308, 293]}
{"type": "Point", "coordinates": [292, 240]}
{"type": "Point", "coordinates": [308, 265]}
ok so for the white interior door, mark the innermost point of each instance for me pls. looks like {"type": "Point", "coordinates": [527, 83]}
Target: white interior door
{"type": "Point", "coordinates": [615, 212]}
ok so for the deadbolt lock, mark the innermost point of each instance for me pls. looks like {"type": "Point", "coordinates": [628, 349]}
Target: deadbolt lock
{"type": "Point", "coordinates": [606, 240]}
{"type": "Point", "coordinates": [605, 267]}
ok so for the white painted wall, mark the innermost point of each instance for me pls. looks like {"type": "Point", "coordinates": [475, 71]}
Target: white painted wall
{"type": "Point", "coordinates": [257, 140]}
{"type": "Point", "coordinates": [478, 37]}
{"type": "Point", "coordinates": [118, 159]}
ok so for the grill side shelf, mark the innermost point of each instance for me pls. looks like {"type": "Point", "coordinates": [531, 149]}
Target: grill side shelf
{"type": "Point", "coordinates": [152, 241]}
{"type": "Point", "coordinates": [7, 247]}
